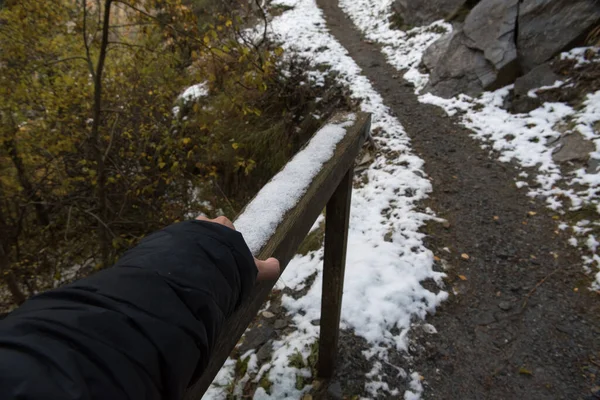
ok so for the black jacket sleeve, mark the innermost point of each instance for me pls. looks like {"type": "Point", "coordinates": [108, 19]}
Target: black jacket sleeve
{"type": "Point", "coordinates": [143, 329]}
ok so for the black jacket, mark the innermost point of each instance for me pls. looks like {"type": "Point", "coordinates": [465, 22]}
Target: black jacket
{"type": "Point", "coordinates": [143, 329]}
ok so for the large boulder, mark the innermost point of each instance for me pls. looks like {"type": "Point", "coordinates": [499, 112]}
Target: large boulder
{"type": "Point", "coordinates": [548, 27]}
{"type": "Point", "coordinates": [455, 68]}
{"type": "Point", "coordinates": [481, 55]}
{"type": "Point", "coordinates": [424, 12]}
{"type": "Point", "coordinates": [491, 28]}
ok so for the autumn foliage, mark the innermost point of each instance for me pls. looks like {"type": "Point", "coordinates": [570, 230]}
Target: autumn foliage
{"type": "Point", "coordinates": [93, 152]}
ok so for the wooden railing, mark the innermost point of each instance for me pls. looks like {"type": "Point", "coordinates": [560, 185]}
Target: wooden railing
{"type": "Point", "coordinates": [330, 188]}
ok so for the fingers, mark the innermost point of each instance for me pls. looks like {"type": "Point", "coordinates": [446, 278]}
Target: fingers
{"type": "Point", "coordinates": [224, 221]}
{"type": "Point", "coordinates": [268, 269]}
{"type": "Point", "coordinates": [219, 220]}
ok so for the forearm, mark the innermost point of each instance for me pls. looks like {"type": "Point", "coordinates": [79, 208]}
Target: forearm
{"type": "Point", "coordinates": [139, 330]}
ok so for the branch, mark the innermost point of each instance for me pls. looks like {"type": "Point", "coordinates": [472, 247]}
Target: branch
{"type": "Point", "coordinates": [85, 40]}
{"type": "Point", "coordinates": [65, 60]}
{"type": "Point", "coordinates": [132, 45]}
{"type": "Point", "coordinates": [112, 136]}
{"type": "Point", "coordinates": [171, 27]}
{"type": "Point", "coordinates": [264, 17]}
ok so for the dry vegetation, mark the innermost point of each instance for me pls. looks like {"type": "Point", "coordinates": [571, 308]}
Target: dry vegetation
{"type": "Point", "coordinates": [92, 156]}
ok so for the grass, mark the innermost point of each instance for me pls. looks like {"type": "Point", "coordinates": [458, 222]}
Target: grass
{"type": "Point", "coordinates": [313, 240]}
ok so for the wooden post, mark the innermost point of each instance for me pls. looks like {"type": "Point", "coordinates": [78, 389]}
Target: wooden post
{"type": "Point", "coordinates": [334, 265]}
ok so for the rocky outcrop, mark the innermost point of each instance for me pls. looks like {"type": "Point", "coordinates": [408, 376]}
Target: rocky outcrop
{"type": "Point", "coordinates": [540, 76]}
{"type": "Point", "coordinates": [458, 69]}
{"type": "Point", "coordinates": [491, 29]}
{"type": "Point", "coordinates": [502, 39]}
{"type": "Point", "coordinates": [481, 55]}
{"type": "Point", "coordinates": [419, 12]}
{"type": "Point", "coordinates": [548, 27]}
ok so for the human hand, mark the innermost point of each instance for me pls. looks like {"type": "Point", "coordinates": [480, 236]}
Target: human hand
{"type": "Point", "coordinates": [268, 269]}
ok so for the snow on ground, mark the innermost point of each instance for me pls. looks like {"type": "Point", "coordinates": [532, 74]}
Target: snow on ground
{"type": "Point", "coordinates": [386, 260]}
{"type": "Point", "coordinates": [192, 93]}
{"type": "Point", "coordinates": [529, 139]}
{"type": "Point", "coordinates": [402, 49]}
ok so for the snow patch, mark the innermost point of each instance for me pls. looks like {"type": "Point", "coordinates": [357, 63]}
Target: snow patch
{"type": "Point", "coordinates": [404, 50]}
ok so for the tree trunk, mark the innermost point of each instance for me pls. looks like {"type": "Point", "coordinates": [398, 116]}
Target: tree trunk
{"type": "Point", "coordinates": [97, 146]}
{"type": "Point", "coordinates": [40, 210]}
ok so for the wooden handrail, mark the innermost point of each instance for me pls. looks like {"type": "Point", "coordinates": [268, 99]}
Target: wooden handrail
{"type": "Point", "coordinates": [330, 187]}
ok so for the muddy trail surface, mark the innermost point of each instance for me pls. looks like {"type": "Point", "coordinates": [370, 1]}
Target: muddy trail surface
{"type": "Point", "coordinates": [522, 323]}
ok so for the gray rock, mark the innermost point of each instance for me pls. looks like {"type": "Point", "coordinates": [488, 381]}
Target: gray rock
{"type": "Point", "coordinates": [280, 324]}
{"type": "Point", "coordinates": [593, 168]}
{"type": "Point", "coordinates": [542, 75]}
{"type": "Point", "coordinates": [458, 69]}
{"type": "Point", "coordinates": [265, 352]}
{"type": "Point", "coordinates": [547, 27]}
{"type": "Point", "coordinates": [505, 305]}
{"type": "Point", "coordinates": [420, 12]}
{"type": "Point", "coordinates": [256, 337]}
{"type": "Point", "coordinates": [432, 55]}
{"type": "Point", "coordinates": [335, 391]}
{"type": "Point", "coordinates": [491, 28]}
{"type": "Point", "coordinates": [481, 55]}
{"type": "Point", "coordinates": [573, 147]}
{"type": "Point", "coordinates": [485, 318]}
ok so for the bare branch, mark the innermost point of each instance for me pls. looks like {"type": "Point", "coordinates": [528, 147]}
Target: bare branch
{"type": "Point", "coordinates": [85, 40]}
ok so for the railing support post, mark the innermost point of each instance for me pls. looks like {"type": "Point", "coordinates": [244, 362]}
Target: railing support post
{"type": "Point", "coordinates": [336, 240]}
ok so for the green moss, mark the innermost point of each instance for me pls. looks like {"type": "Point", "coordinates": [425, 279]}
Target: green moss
{"type": "Point", "coordinates": [313, 357]}
{"type": "Point", "coordinates": [278, 9]}
{"type": "Point", "coordinates": [241, 367]}
{"type": "Point", "coordinates": [313, 240]}
{"type": "Point", "coordinates": [296, 360]}
{"type": "Point", "coordinates": [397, 22]}
{"type": "Point", "coordinates": [265, 383]}
{"type": "Point", "coordinates": [299, 382]}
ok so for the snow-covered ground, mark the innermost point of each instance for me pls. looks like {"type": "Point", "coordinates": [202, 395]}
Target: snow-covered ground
{"type": "Point", "coordinates": [386, 261]}
{"type": "Point", "coordinates": [528, 139]}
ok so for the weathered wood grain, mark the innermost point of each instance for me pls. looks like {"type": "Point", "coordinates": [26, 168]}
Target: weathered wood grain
{"type": "Point", "coordinates": [334, 266]}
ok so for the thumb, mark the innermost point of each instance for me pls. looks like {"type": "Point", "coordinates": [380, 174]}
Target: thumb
{"type": "Point", "coordinates": [268, 269]}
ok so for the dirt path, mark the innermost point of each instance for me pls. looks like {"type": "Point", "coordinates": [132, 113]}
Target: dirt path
{"type": "Point", "coordinates": [518, 329]}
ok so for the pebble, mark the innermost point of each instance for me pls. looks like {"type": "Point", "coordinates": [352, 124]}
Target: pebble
{"type": "Point", "coordinates": [268, 314]}
{"type": "Point", "coordinates": [335, 391]}
{"type": "Point", "coordinates": [264, 353]}
{"type": "Point", "coordinates": [280, 324]}
{"type": "Point", "coordinates": [505, 305]}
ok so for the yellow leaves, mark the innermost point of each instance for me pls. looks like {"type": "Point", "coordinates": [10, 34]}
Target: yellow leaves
{"type": "Point", "coordinates": [532, 213]}
{"type": "Point", "coordinates": [186, 140]}
{"type": "Point", "coordinates": [525, 371]}
{"type": "Point", "coordinates": [462, 277]}
{"type": "Point", "coordinates": [162, 164]}
{"type": "Point", "coordinates": [235, 146]}
{"type": "Point", "coordinates": [228, 23]}
{"type": "Point", "coordinates": [465, 256]}
{"type": "Point", "coordinates": [278, 51]}
{"type": "Point", "coordinates": [206, 40]}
